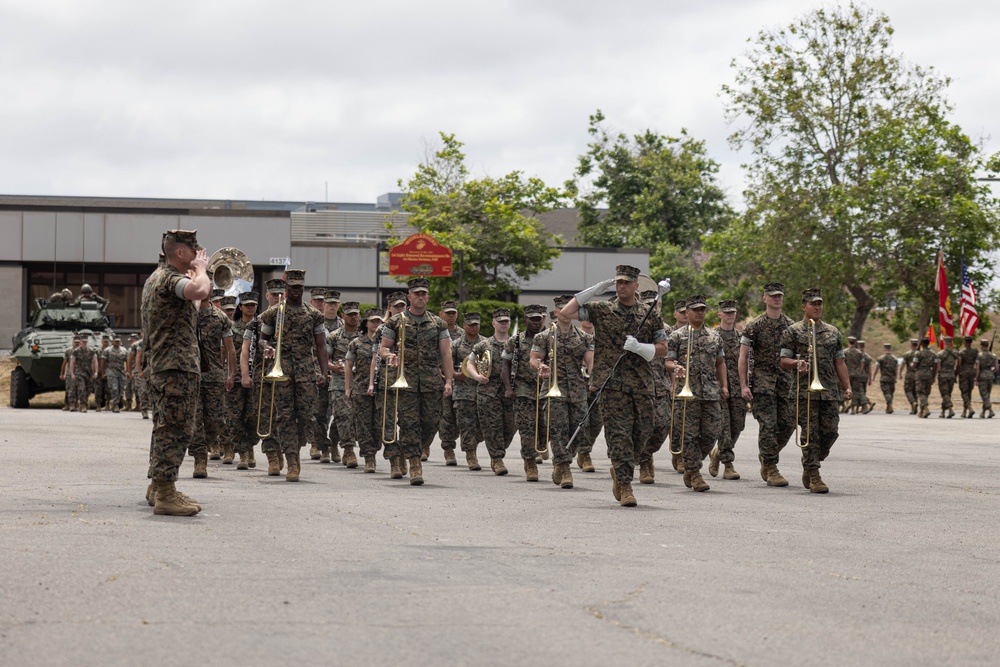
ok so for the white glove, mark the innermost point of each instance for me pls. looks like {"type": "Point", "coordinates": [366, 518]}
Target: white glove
{"type": "Point", "coordinates": [589, 293]}
{"type": "Point", "coordinates": [664, 286]}
{"type": "Point", "coordinates": [645, 350]}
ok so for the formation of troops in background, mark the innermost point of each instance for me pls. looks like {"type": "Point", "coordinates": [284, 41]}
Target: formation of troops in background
{"type": "Point", "coordinates": [220, 375]}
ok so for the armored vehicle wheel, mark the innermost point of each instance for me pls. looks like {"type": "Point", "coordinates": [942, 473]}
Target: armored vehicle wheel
{"type": "Point", "coordinates": [19, 390]}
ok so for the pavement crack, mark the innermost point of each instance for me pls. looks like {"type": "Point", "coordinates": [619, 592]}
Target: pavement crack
{"type": "Point", "coordinates": [599, 611]}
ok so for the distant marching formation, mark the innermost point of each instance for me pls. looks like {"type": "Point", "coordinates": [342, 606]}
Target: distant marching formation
{"type": "Point", "coordinates": [219, 377]}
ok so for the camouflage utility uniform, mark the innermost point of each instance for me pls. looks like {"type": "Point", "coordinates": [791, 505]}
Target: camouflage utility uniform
{"type": "Point", "coordinates": [366, 422]}
{"type": "Point", "coordinates": [464, 395]}
{"type": "Point", "coordinates": [517, 350]}
{"type": "Point", "coordinates": [734, 408]}
{"type": "Point", "coordinates": [496, 411]}
{"type": "Point", "coordinates": [967, 377]}
{"type": "Point", "coordinates": [854, 358]}
{"type": "Point", "coordinates": [947, 360]}
{"type": "Point", "coordinates": [114, 372]}
{"type": "Point", "coordinates": [910, 379]}
{"type": "Point", "coordinates": [987, 366]}
{"type": "Point", "coordinates": [772, 407]}
{"type": "Point", "coordinates": [923, 361]}
{"type": "Point", "coordinates": [213, 329]}
{"type": "Point", "coordinates": [448, 428]}
{"type": "Point", "coordinates": [567, 411]}
{"type": "Point", "coordinates": [336, 346]}
{"type": "Point", "coordinates": [701, 415]}
{"type": "Point", "coordinates": [888, 366]}
{"type": "Point", "coordinates": [83, 376]}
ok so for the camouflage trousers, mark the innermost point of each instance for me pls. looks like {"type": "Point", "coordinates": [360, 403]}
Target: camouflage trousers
{"type": "Point", "coordinates": [660, 431]}
{"type": "Point", "coordinates": [985, 388]}
{"type": "Point", "coordinates": [324, 410]}
{"type": "Point", "coordinates": [101, 397]}
{"type": "Point", "coordinates": [776, 423]}
{"type": "Point", "coordinates": [241, 418]}
{"type": "Point", "coordinates": [595, 423]}
{"type": "Point", "coordinates": [923, 388]}
{"type": "Point", "coordinates": [83, 386]}
{"type": "Point", "coordinates": [524, 417]}
{"type": "Point", "coordinates": [129, 389]}
{"type": "Point", "coordinates": [448, 428]}
{"type": "Point", "coordinates": [467, 418]}
{"type": "Point", "coordinates": [419, 415]}
{"type": "Point", "coordinates": [946, 385]}
{"type": "Point", "coordinates": [116, 385]}
{"type": "Point", "coordinates": [70, 390]}
{"type": "Point", "coordinates": [910, 387]}
{"type": "Point", "coordinates": [343, 415]}
{"type": "Point", "coordinates": [859, 392]}
{"type": "Point", "coordinates": [823, 419]}
{"type": "Point", "coordinates": [174, 396]}
{"type": "Point", "coordinates": [564, 418]}
{"type": "Point", "coordinates": [628, 419]}
{"type": "Point", "coordinates": [888, 388]}
{"type": "Point", "coordinates": [295, 412]}
{"type": "Point", "coordinates": [211, 418]}
{"type": "Point", "coordinates": [496, 422]}
{"type": "Point", "coordinates": [965, 385]}
{"type": "Point", "coordinates": [734, 418]}
{"type": "Point", "coordinates": [389, 417]}
{"type": "Point", "coordinates": [702, 424]}
{"type": "Point", "coordinates": [366, 424]}
{"type": "Point", "coordinates": [141, 392]}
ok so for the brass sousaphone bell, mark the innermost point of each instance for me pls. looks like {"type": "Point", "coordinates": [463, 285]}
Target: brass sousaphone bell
{"type": "Point", "coordinates": [227, 265]}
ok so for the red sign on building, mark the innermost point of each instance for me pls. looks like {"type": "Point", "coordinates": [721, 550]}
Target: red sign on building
{"type": "Point", "coordinates": [420, 255]}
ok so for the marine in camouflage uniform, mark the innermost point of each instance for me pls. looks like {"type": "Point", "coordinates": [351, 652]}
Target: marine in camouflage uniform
{"type": "Point", "coordinates": [986, 364]}
{"type": "Point", "coordinates": [241, 402]}
{"type": "Point", "coordinates": [70, 399]}
{"type": "Point", "coordinates": [734, 408]}
{"type": "Point", "coordinates": [910, 376]}
{"type": "Point", "coordinates": [385, 377]}
{"type": "Point", "coordinates": [887, 367]}
{"type": "Point", "coordinates": [924, 363]}
{"type": "Point", "coordinates": [170, 356]}
{"type": "Point", "coordinates": [854, 359]}
{"type": "Point", "coordinates": [947, 363]}
{"type": "Point", "coordinates": [336, 348]}
{"type": "Point", "coordinates": [114, 372]}
{"type": "Point", "coordinates": [521, 386]}
{"type": "Point", "coordinates": [464, 395]}
{"type": "Point", "coordinates": [967, 359]}
{"type": "Point", "coordinates": [819, 416]}
{"type": "Point", "coordinates": [360, 388]}
{"type": "Point", "coordinates": [595, 419]}
{"type": "Point", "coordinates": [327, 435]}
{"type": "Point", "coordinates": [866, 372]}
{"type": "Point", "coordinates": [130, 394]}
{"type": "Point", "coordinates": [427, 370]}
{"type": "Point", "coordinates": [83, 371]}
{"type": "Point", "coordinates": [701, 416]}
{"type": "Point", "coordinates": [769, 386]}
{"type": "Point", "coordinates": [139, 377]}
{"type": "Point", "coordinates": [448, 428]}
{"type": "Point", "coordinates": [304, 364]}
{"type": "Point", "coordinates": [620, 344]}
{"type": "Point", "coordinates": [215, 340]}
{"type": "Point", "coordinates": [573, 350]}
{"type": "Point", "coordinates": [101, 396]}
{"type": "Point", "coordinates": [496, 410]}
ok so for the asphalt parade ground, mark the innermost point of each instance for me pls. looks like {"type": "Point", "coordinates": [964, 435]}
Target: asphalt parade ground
{"type": "Point", "coordinates": [897, 565]}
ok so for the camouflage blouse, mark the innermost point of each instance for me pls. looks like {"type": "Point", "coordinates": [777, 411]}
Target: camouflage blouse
{"type": "Point", "coordinates": [706, 350]}
{"type": "Point", "coordinates": [570, 350]}
{"type": "Point", "coordinates": [613, 323]}
{"type": "Point", "coordinates": [829, 347]}
{"type": "Point", "coordinates": [298, 339]}
{"type": "Point", "coordinates": [169, 323]}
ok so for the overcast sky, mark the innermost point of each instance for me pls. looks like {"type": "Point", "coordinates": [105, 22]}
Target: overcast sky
{"type": "Point", "coordinates": [270, 100]}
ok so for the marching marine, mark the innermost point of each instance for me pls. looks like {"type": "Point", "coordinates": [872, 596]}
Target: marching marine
{"type": "Point", "coordinates": [734, 408]}
{"type": "Point", "coordinates": [886, 368]}
{"type": "Point", "coordinates": [496, 410]}
{"type": "Point", "coordinates": [464, 396]}
{"type": "Point", "coordinates": [359, 388]}
{"type": "Point", "coordinates": [986, 364]}
{"type": "Point", "coordinates": [336, 347]}
{"type": "Point", "coordinates": [947, 364]}
{"type": "Point", "coordinates": [520, 386]}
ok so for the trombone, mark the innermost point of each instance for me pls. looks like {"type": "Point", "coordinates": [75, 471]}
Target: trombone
{"type": "Point", "coordinates": [685, 395]}
{"type": "Point", "coordinates": [275, 376]}
{"type": "Point", "coordinates": [400, 383]}
{"type": "Point", "coordinates": [815, 386]}
{"type": "Point", "coordinates": [553, 392]}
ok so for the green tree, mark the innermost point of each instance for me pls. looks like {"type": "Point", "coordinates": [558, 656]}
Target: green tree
{"type": "Point", "coordinates": [490, 224]}
{"type": "Point", "coordinates": [649, 191]}
{"type": "Point", "coordinates": [857, 178]}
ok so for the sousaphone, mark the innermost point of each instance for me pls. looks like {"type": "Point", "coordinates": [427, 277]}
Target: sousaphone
{"type": "Point", "coordinates": [232, 270]}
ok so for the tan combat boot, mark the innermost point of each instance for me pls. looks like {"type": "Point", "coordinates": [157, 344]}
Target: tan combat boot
{"type": "Point", "coordinates": [584, 461]}
{"type": "Point", "coordinates": [951, 413]}
{"type": "Point", "coordinates": [273, 464]}
{"type": "Point", "coordinates": [151, 492]}
{"type": "Point", "coordinates": [675, 461]}
{"type": "Point", "coordinates": [334, 453]}
{"type": "Point", "coordinates": [171, 503]}
{"type": "Point", "coordinates": [314, 453]}
{"type": "Point", "coordinates": [416, 471]}
{"type": "Point", "coordinates": [774, 477]}
{"type": "Point", "coordinates": [294, 466]}
{"type": "Point", "coordinates": [628, 498]}
{"type": "Point", "coordinates": [697, 482]}
{"type": "Point", "coordinates": [566, 480]}
{"type": "Point", "coordinates": [350, 459]}
{"type": "Point", "coordinates": [616, 490]}
{"type": "Point", "coordinates": [805, 478]}
{"type": "Point", "coordinates": [713, 462]}
{"type": "Point", "coordinates": [816, 484]}
{"type": "Point", "coordinates": [888, 408]}
{"type": "Point", "coordinates": [200, 465]}
{"type": "Point", "coordinates": [730, 472]}
{"type": "Point", "coordinates": [227, 454]}
{"type": "Point", "coordinates": [990, 416]}
{"type": "Point", "coordinates": [215, 453]}
{"type": "Point", "coordinates": [497, 466]}
{"type": "Point", "coordinates": [84, 406]}
{"type": "Point", "coordinates": [252, 461]}
{"type": "Point", "coordinates": [324, 456]}
{"type": "Point", "coordinates": [763, 468]}
{"type": "Point", "coordinates": [394, 470]}
{"type": "Point", "coordinates": [646, 474]}
{"type": "Point", "coordinates": [470, 458]}
{"type": "Point", "coordinates": [449, 457]}
{"type": "Point", "coordinates": [556, 475]}
{"type": "Point", "coordinates": [530, 470]}
{"type": "Point", "coordinates": [281, 460]}
{"type": "Point", "coordinates": [425, 453]}
{"type": "Point", "coordinates": [944, 414]}
{"type": "Point", "coordinates": [370, 463]}
{"type": "Point", "coordinates": [243, 463]}
{"type": "Point", "coordinates": [913, 408]}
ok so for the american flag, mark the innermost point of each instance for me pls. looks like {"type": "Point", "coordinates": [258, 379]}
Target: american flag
{"type": "Point", "coordinates": [969, 316]}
